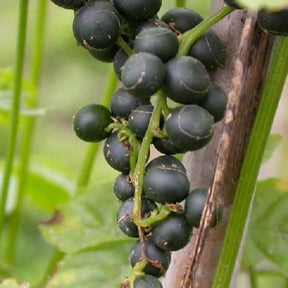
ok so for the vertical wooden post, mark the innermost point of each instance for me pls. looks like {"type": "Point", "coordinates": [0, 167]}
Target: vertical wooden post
{"type": "Point", "coordinates": [218, 165]}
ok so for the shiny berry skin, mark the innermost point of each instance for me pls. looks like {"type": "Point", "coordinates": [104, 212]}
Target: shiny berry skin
{"type": "Point", "coordinates": [124, 221]}
{"type": "Point", "coordinates": [171, 234]}
{"type": "Point", "coordinates": [181, 19]}
{"type": "Point", "coordinates": [190, 127]}
{"type": "Point", "coordinates": [166, 146]}
{"type": "Point", "coordinates": [119, 60]}
{"type": "Point", "coordinates": [138, 10]}
{"type": "Point", "coordinates": [155, 41]}
{"type": "Point", "coordinates": [147, 281]}
{"type": "Point", "coordinates": [117, 153]}
{"type": "Point", "coordinates": [123, 102]}
{"type": "Point", "coordinates": [104, 55]}
{"type": "Point", "coordinates": [123, 187]}
{"type": "Point", "coordinates": [165, 161]}
{"type": "Point", "coordinates": [209, 50]}
{"type": "Point", "coordinates": [142, 74]}
{"type": "Point", "coordinates": [90, 122]}
{"type": "Point", "coordinates": [166, 184]}
{"type": "Point", "coordinates": [194, 205]}
{"type": "Point", "coordinates": [186, 80]}
{"type": "Point", "coordinates": [275, 23]}
{"type": "Point", "coordinates": [70, 4]}
{"type": "Point", "coordinates": [158, 259]}
{"type": "Point", "coordinates": [97, 25]}
{"type": "Point", "coordinates": [215, 102]}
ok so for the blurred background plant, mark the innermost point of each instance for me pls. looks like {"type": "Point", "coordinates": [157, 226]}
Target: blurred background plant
{"type": "Point", "coordinates": [69, 78]}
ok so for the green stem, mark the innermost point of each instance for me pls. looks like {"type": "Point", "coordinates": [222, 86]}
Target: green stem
{"type": "Point", "coordinates": [56, 257]}
{"type": "Point", "coordinates": [143, 154]}
{"type": "Point", "coordinates": [189, 37]}
{"type": "Point", "coordinates": [89, 158]}
{"type": "Point", "coordinates": [180, 3]}
{"type": "Point", "coordinates": [251, 165]}
{"type": "Point", "coordinates": [123, 45]}
{"type": "Point", "coordinates": [21, 41]}
{"type": "Point", "coordinates": [253, 277]}
{"type": "Point", "coordinates": [28, 131]}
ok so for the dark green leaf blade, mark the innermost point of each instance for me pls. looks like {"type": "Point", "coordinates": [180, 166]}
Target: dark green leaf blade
{"type": "Point", "coordinates": [100, 267]}
{"type": "Point", "coordinates": [87, 220]}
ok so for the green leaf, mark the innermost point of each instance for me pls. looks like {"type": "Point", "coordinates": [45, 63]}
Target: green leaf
{"type": "Point", "coordinates": [273, 142]}
{"type": "Point", "coordinates": [88, 220]}
{"type": "Point", "coordinates": [5, 105]}
{"type": "Point", "coordinates": [268, 229]}
{"type": "Point", "coordinates": [10, 283]}
{"type": "Point", "coordinates": [48, 187]}
{"type": "Point", "coordinates": [99, 267]}
{"type": "Point", "coordinates": [267, 4]}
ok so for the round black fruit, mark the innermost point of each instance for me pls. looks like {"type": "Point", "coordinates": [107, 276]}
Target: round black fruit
{"type": "Point", "coordinates": [119, 60]}
{"type": "Point", "coordinates": [172, 234]}
{"type": "Point", "coordinates": [194, 205]}
{"type": "Point", "coordinates": [215, 102]}
{"type": "Point", "coordinates": [117, 153]}
{"type": "Point", "coordinates": [123, 102]}
{"type": "Point", "coordinates": [70, 4]}
{"type": "Point", "coordinates": [158, 259]}
{"type": "Point", "coordinates": [142, 74]}
{"type": "Point", "coordinates": [209, 50]}
{"type": "Point", "coordinates": [125, 212]}
{"type": "Point", "coordinates": [150, 23]}
{"type": "Point", "coordinates": [138, 10]}
{"type": "Point", "coordinates": [156, 41]}
{"type": "Point", "coordinates": [275, 23]}
{"type": "Point", "coordinates": [166, 185]}
{"type": "Point", "coordinates": [165, 162]}
{"type": "Point", "coordinates": [139, 119]}
{"type": "Point", "coordinates": [104, 55]}
{"type": "Point", "coordinates": [123, 187]}
{"type": "Point", "coordinates": [97, 25]}
{"type": "Point", "coordinates": [181, 19]}
{"type": "Point", "coordinates": [189, 127]}
{"type": "Point", "coordinates": [166, 146]}
{"type": "Point", "coordinates": [186, 80]}
{"type": "Point", "coordinates": [147, 281]}
{"type": "Point", "coordinates": [90, 122]}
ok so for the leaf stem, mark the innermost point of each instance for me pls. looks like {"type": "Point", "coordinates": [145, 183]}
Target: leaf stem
{"type": "Point", "coordinates": [56, 257]}
{"type": "Point", "coordinates": [252, 161]}
{"type": "Point", "coordinates": [138, 176]}
{"type": "Point", "coordinates": [188, 38]}
{"type": "Point", "coordinates": [252, 277]}
{"type": "Point", "coordinates": [89, 158]}
{"type": "Point", "coordinates": [21, 41]}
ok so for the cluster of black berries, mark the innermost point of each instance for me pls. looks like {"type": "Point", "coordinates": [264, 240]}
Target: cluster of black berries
{"type": "Point", "coordinates": [143, 49]}
{"type": "Point", "coordinates": [272, 22]}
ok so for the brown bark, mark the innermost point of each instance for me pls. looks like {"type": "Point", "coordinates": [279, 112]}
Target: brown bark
{"type": "Point", "coordinates": [218, 165]}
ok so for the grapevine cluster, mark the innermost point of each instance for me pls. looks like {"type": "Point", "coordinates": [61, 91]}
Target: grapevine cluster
{"type": "Point", "coordinates": [166, 100]}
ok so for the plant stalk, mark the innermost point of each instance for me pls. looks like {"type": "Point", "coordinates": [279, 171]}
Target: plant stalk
{"type": "Point", "coordinates": [28, 131]}
{"type": "Point", "coordinates": [15, 109]}
{"type": "Point", "coordinates": [251, 165]}
{"type": "Point", "coordinates": [188, 38]}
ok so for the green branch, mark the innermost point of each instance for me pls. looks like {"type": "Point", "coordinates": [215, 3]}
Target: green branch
{"type": "Point", "coordinates": [21, 41]}
{"type": "Point", "coordinates": [252, 162]}
{"type": "Point", "coordinates": [188, 38]}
